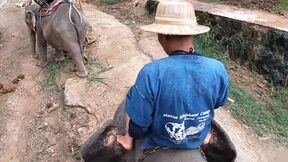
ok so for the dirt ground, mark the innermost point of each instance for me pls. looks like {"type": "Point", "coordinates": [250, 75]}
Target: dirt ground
{"type": "Point", "coordinates": [38, 125]}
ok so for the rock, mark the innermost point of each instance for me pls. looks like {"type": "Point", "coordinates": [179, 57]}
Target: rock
{"type": "Point", "coordinates": [76, 95]}
{"type": "Point", "coordinates": [72, 97]}
{"type": "Point", "coordinates": [16, 81]}
{"type": "Point", "coordinates": [18, 78]}
{"type": "Point", "coordinates": [7, 90]}
{"type": "Point", "coordinates": [21, 76]}
{"type": "Point", "coordinates": [53, 107]}
{"type": "Point", "coordinates": [48, 105]}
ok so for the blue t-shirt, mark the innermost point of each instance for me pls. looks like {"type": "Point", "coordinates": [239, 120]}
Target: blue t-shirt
{"type": "Point", "coordinates": [174, 98]}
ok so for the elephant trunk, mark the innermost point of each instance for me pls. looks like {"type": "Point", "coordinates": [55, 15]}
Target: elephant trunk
{"type": "Point", "coordinates": [30, 19]}
{"type": "Point", "coordinates": [32, 36]}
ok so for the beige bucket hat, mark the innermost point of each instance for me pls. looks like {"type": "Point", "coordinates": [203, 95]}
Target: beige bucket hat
{"type": "Point", "coordinates": [175, 17]}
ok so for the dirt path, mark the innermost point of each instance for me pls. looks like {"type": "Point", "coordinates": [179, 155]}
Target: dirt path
{"type": "Point", "coordinates": [18, 108]}
{"type": "Point", "coordinates": [32, 132]}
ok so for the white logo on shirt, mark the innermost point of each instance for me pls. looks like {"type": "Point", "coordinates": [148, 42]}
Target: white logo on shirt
{"type": "Point", "coordinates": [178, 133]}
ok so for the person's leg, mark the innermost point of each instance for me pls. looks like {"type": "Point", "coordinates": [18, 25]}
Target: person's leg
{"type": "Point", "coordinates": [175, 155]}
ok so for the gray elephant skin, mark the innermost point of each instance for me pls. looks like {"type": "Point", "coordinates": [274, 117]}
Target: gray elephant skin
{"type": "Point", "coordinates": [102, 147]}
{"type": "Point", "coordinates": [58, 31]}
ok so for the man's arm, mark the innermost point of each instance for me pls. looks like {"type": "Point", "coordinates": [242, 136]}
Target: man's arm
{"type": "Point", "coordinates": [139, 108]}
{"type": "Point", "coordinates": [222, 96]}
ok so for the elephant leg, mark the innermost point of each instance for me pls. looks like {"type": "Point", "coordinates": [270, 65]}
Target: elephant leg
{"type": "Point", "coordinates": [59, 56]}
{"type": "Point", "coordinates": [77, 59]}
{"type": "Point", "coordinates": [42, 45]}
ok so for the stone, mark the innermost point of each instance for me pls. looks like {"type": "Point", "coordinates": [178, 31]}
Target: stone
{"type": "Point", "coordinates": [75, 93]}
{"type": "Point", "coordinates": [21, 76]}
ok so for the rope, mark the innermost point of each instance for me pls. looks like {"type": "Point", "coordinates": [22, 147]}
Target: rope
{"type": "Point", "coordinates": [71, 4]}
{"type": "Point", "coordinates": [70, 10]}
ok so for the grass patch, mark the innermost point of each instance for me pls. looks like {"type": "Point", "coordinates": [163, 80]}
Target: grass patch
{"type": "Point", "coordinates": [76, 152]}
{"type": "Point", "coordinates": [208, 45]}
{"type": "Point", "coordinates": [265, 118]}
{"type": "Point", "coordinates": [51, 72]}
{"type": "Point", "coordinates": [281, 6]}
{"type": "Point", "coordinates": [111, 2]}
{"type": "Point", "coordinates": [96, 68]}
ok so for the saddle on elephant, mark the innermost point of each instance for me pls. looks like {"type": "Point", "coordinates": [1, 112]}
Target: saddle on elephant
{"type": "Point", "coordinates": [49, 6]}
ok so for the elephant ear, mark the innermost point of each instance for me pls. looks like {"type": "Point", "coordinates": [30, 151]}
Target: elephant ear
{"type": "Point", "coordinates": [30, 19]}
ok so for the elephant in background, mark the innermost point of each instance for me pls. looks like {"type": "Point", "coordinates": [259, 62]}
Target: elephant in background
{"type": "Point", "coordinates": [63, 31]}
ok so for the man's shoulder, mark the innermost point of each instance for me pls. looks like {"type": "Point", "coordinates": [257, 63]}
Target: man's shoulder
{"type": "Point", "coordinates": [156, 65]}
{"type": "Point", "coordinates": [163, 65]}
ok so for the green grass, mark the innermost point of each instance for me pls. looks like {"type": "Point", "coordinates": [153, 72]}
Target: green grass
{"type": "Point", "coordinates": [96, 68]}
{"type": "Point", "coordinates": [265, 117]}
{"type": "Point", "coordinates": [111, 2]}
{"type": "Point", "coordinates": [208, 45]}
{"type": "Point", "coordinates": [51, 72]}
{"type": "Point", "coordinates": [281, 6]}
{"type": "Point", "coordinates": [76, 152]}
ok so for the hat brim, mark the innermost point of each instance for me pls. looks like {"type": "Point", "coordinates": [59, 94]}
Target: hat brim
{"type": "Point", "coordinates": [175, 29]}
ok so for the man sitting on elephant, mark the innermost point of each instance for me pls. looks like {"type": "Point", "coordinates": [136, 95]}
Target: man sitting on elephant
{"type": "Point", "coordinates": [172, 103]}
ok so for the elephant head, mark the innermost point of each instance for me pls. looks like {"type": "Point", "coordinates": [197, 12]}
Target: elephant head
{"type": "Point", "coordinates": [102, 147]}
{"type": "Point", "coordinates": [30, 20]}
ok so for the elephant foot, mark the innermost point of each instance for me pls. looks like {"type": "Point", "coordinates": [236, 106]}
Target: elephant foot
{"type": "Point", "coordinates": [42, 64]}
{"type": "Point", "coordinates": [82, 73]}
{"type": "Point", "coordinates": [60, 59]}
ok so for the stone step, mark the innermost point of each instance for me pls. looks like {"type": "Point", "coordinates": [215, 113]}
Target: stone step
{"type": "Point", "coordinates": [247, 15]}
